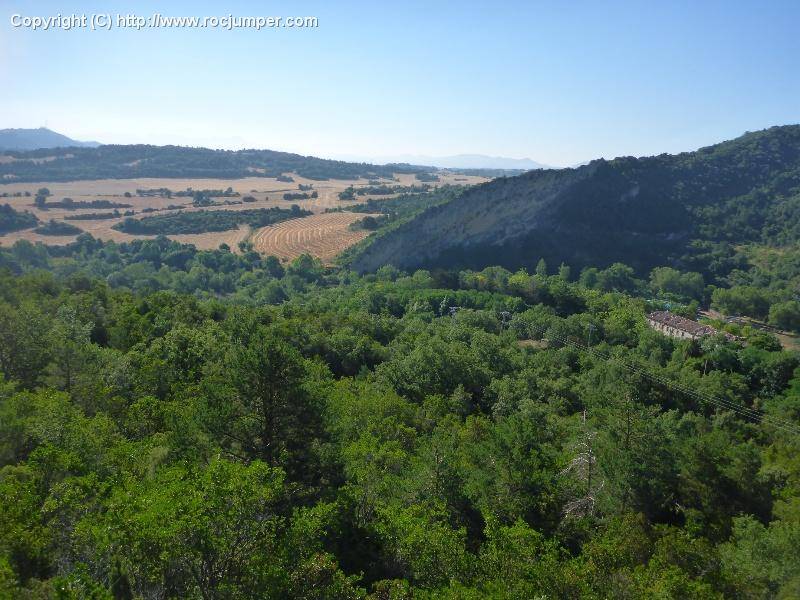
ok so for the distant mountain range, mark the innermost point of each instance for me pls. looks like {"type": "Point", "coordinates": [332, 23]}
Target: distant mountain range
{"type": "Point", "coordinates": [457, 161]}
{"type": "Point", "coordinates": [34, 139]}
{"type": "Point", "coordinates": [41, 138]}
{"type": "Point", "coordinates": [667, 209]}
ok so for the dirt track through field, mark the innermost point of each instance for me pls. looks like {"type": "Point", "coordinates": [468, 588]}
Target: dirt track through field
{"type": "Point", "coordinates": [322, 235]}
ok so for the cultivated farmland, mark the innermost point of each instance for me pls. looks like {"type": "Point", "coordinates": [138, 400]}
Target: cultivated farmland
{"type": "Point", "coordinates": [323, 236]}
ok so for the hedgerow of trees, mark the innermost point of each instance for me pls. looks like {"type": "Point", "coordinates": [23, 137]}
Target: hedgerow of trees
{"type": "Point", "coordinates": [14, 220]}
{"type": "Point", "coordinates": [53, 227]}
{"type": "Point", "coordinates": [202, 221]}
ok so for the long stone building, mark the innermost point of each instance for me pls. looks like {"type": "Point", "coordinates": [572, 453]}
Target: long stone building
{"type": "Point", "coordinates": [680, 327]}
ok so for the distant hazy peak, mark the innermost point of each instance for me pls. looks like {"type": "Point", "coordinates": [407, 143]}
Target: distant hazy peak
{"type": "Point", "coordinates": [456, 161]}
{"type": "Point", "coordinates": [34, 139]}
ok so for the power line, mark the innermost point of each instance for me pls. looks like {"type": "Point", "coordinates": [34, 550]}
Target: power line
{"type": "Point", "coordinates": [743, 411]}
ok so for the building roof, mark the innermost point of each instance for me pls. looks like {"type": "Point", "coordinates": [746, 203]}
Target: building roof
{"type": "Point", "coordinates": [683, 324]}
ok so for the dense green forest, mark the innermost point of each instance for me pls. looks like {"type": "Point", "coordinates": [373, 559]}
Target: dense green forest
{"type": "Point", "coordinates": [178, 423]}
{"type": "Point", "coordinates": [131, 161]}
{"type": "Point", "coordinates": [201, 221]}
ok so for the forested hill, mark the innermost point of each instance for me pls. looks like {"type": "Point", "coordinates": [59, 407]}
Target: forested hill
{"type": "Point", "coordinates": [129, 161]}
{"type": "Point", "coordinates": [641, 211]}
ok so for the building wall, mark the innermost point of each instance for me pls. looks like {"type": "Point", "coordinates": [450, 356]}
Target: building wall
{"type": "Point", "coordinates": [670, 331]}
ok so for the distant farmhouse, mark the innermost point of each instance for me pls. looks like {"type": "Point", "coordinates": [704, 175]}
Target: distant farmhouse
{"type": "Point", "coordinates": [679, 327]}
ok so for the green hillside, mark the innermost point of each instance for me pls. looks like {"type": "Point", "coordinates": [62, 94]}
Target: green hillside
{"type": "Point", "coordinates": [641, 211]}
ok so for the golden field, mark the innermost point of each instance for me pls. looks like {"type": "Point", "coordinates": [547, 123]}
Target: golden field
{"type": "Point", "coordinates": [322, 235]}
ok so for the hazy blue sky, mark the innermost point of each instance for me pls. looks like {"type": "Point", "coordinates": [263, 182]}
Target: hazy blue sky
{"type": "Point", "coordinates": [558, 82]}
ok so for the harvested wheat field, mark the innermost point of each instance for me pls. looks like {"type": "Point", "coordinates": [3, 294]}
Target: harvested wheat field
{"type": "Point", "coordinates": [213, 240]}
{"type": "Point", "coordinates": [103, 231]}
{"type": "Point", "coordinates": [323, 235]}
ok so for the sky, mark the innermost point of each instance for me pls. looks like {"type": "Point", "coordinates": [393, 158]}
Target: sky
{"type": "Point", "coordinates": [557, 82]}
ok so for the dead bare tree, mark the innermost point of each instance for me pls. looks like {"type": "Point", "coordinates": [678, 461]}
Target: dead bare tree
{"type": "Point", "coordinates": [583, 468]}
